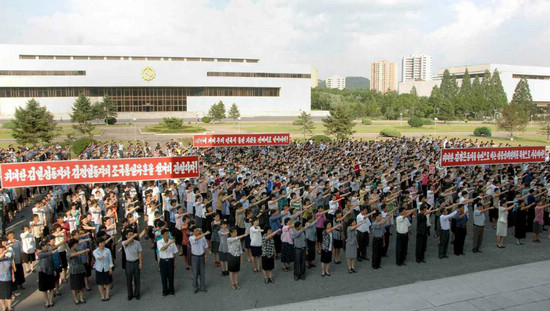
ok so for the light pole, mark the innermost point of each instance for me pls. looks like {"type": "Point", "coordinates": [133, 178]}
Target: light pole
{"type": "Point", "coordinates": [435, 127]}
{"type": "Point", "coordinates": [531, 119]}
{"type": "Point", "coordinates": [239, 118]}
{"type": "Point", "coordinates": [401, 118]}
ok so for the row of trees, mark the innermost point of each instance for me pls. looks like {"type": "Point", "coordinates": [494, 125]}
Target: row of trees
{"type": "Point", "coordinates": [34, 123]}
{"type": "Point", "coordinates": [217, 112]}
{"type": "Point", "coordinates": [480, 99]}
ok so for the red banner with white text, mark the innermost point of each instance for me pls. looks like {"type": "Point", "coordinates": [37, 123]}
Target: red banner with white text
{"type": "Point", "coordinates": [483, 156]}
{"type": "Point", "coordinates": [237, 140]}
{"type": "Point", "coordinates": [28, 174]}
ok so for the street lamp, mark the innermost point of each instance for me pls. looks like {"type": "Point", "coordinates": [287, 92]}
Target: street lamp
{"type": "Point", "coordinates": [435, 127]}
{"type": "Point", "coordinates": [401, 118]}
{"type": "Point", "coordinates": [239, 118]}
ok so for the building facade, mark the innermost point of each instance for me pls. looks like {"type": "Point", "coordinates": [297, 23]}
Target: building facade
{"type": "Point", "coordinates": [416, 68]}
{"type": "Point", "coordinates": [383, 76]}
{"type": "Point", "coordinates": [147, 84]}
{"type": "Point", "coordinates": [314, 78]}
{"type": "Point", "coordinates": [336, 82]}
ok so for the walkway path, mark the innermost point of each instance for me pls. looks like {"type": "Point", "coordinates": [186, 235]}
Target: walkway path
{"type": "Point", "coordinates": [522, 287]}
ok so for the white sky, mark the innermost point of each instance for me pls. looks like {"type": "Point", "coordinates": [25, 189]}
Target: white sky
{"type": "Point", "coordinates": [338, 37]}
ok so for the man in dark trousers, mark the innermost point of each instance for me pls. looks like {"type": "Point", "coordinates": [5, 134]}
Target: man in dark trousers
{"type": "Point", "coordinates": [402, 225]}
{"type": "Point", "coordinates": [422, 231]}
{"type": "Point", "coordinates": [460, 234]}
{"type": "Point", "coordinates": [167, 252]}
{"type": "Point", "coordinates": [134, 264]}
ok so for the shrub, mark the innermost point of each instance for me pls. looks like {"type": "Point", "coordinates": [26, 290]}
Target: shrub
{"type": "Point", "coordinates": [8, 125]}
{"type": "Point", "coordinates": [173, 123]}
{"type": "Point", "coordinates": [415, 122]}
{"type": "Point", "coordinates": [428, 121]}
{"type": "Point", "coordinates": [206, 119]}
{"type": "Point", "coordinates": [470, 118]}
{"type": "Point", "coordinates": [366, 121]}
{"type": "Point", "coordinates": [390, 132]}
{"type": "Point", "coordinates": [110, 120]}
{"type": "Point", "coordinates": [320, 138]}
{"type": "Point", "coordinates": [482, 131]}
{"type": "Point", "coordinates": [80, 144]}
{"type": "Point", "coordinates": [297, 121]}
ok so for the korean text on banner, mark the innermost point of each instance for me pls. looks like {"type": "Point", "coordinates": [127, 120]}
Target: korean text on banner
{"type": "Point", "coordinates": [28, 174]}
{"type": "Point", "coordinates": [236, 140]}
{"type": "Point", "coordinates": [483, 156]}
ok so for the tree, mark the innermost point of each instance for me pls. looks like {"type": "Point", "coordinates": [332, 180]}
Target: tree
{"type": "Point", "coordinates": [449, 92]}
{"type": "Point", "coordinates": [435, 99]}
{"type": "Point", "coordinates": [104, 109]}
{"type": "Point", "coordinates": [82, 114]}
{"type": "Point", "coordinates": [545, 125]}
{"type": "Point", "coordinates": [217, 111]}
{"type": "Point", "coordinates": [465, 96]}
{"type": "Point", "coordinates": [234, 112]}
{"type": "Point", "coordinates": [522, 97]}
{"type": "Point", "coordinates": [339, 123]}
{"type": "Point", "coordinates": [477, 96]}
{"type": "Point", "coordinates": [485, 92]}
{"type": "Point", "coordinates": [306, 123]}
{"type": "Point", "coordinates": [513, 119]}
{"type": "Point", "coordinates": [499, 98]}
{"type": "Point", "coordinates": [33, 124]}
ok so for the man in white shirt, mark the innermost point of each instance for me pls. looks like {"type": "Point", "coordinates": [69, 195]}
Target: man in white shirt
{"type": "Point", "coordinates": [363, 234]}
{"type": "Point", "coordinates": [167, 262]}
{"type": "Point", "coordinates": [402, 225]}
{"type": "Point", "coordinates": [444, 221]}
{"type": "Point", "coordinates": [198, 261]}
{"type": "Point", "coordinates": [28, 248]}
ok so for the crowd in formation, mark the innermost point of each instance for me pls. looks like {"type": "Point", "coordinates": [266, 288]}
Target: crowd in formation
{"type": "Point", "coordinates": [291, 206]}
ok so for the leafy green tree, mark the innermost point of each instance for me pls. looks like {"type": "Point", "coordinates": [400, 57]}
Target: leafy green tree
{"type": "Point", "coordinates": [339, 123]}
{"type": "Point", "coordinates": [486, 94]}
{"type": "Point", "coordinates": [306, 123]}
{"type": "Point", "coordinates": [83, 114]}
{"type": "Point", "coordinates": [217, 111]}
{"type": "Point", "coordinates": [499, 98]}
{"type": "Point", "coordinates": [513, 118]}
{"type": "Point", "coordinates": [449, 93]}
{"type": "Point", "coordinates": [33, 124]}
{"type": "Point", "coordinates": [522, 97]}
{"type": "Point", "coordinates": [320, 100]}
{"type": "Point", "coordinates": [545, 125]}
{"type": "Point", "coordinates": [465, 96]}
{"type": "Point", "coordinates": [477, 98]}
{"type": "Point", "coordinates": [435, 100]}
{"type": "Point", "coordinates": [234, 112]}
{"type": "Point", "coordinates": [104, 109]}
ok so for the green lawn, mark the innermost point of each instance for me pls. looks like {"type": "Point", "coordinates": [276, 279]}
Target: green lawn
{"type": "Point", "coordinates": [162, 128]}
{"type": "Point", "coordinates": [64, 130]}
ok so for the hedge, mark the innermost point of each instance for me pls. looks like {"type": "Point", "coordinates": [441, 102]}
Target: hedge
{"type": "Point", "coordinates": [8, 125]}
{"type": "Point", "coordinates": [482, 131]}
{"type": "Point", "coordinates": [320, 138]}
{"type": "Point", "coordinates": [415, 122]}
{"type": "Point", "coordinates": [366, 121]}
{"type": "Point", "coordinates": [206, 119]}
{"type": "Point", "coordinates": [390, 132]}
{"type": "Point", "coordinates": [80, 145]}
{"type": "Point", "coordinates": [297, 121]}
{"type": "Point", "coordinates": [173, 123]}
{"type": "Point", "coordinates": [110, 120]}
{"type": "Point", "coordinates": [428, 121]}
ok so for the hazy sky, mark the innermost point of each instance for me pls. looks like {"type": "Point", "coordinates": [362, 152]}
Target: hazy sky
{"type": "Point", "coordinates": [335, 36]}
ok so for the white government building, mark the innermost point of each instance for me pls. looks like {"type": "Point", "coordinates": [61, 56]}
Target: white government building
{"type": "Point", "coordinates": [149, 82]}
{"type": "Point", "coordinates": [537, 77]}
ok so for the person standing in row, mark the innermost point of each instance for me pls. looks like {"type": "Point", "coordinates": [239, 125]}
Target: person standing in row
{"type": "Point", "coordinates": [402, 225]}
{"type": "Point", "coordinates": [76, 271]}
{"type": "Point", "coordinates": [28, 249]}
{"type": "Point", "coordinates": [479, 224]}
{"type": "Point", "coordinates": [198, 247]}
{"type": "Point", "coordinates": [19, 272]}
{"type": "Point", "coordinates": [422, 231]}
{"type": "Point", "coordinates": [6, 272]}
{"type": "Point", "coordinates": [363, 234]}
{"type": "Point", "coordinates": [134, 264]}
{"type": "Point", "coordinates": [299, 235]}
{"type": "Point", "coordinates": [327, 247]}
{"type": "Point", "coordinates": [502, 223]}
{"type": "Point", "coordinates": [103, 269]}
{"type": "Point", "coordinates": [378, 231]}
{"type": "Point", "coordinates": [268, 253]}
{"type": "Point", "coordinates": [444, 233]}
{"type": "Point", "coordinates": [167, 252]}
{"type": "Point", "coordinates": [234, 257]}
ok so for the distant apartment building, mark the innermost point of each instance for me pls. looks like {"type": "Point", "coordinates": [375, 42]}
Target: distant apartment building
{"type": "Point", "coordinates": [383, 76]}
{"type": "Point", "coordinates": [417, 68]}
{"type": "Point", "coordinates": [336, 82]}
{"type": "Point", "coordinates": [314, 78]}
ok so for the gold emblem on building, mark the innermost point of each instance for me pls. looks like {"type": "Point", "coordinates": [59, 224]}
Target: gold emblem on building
{"type": "Point", "coordinates": [148, 73]}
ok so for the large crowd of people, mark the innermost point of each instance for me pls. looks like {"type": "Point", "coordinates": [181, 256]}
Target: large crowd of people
{"type": "Point", "coordinates": [287, 206]}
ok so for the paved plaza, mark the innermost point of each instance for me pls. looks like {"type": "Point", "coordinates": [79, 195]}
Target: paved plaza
{"type": "Point", "coordinates": [446, 284]}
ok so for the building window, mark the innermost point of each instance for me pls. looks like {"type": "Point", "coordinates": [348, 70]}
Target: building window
{"type": "Point", "coordinates": [259, 75]}
{"type": "Point", "coordinates": [141, 99]}
{"type": "Point", "coordinates": [42, 73]}
{"type": "Point", "coordinates": [530, 77]}
{"type": "Point", "coordinates": [153, 58]}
